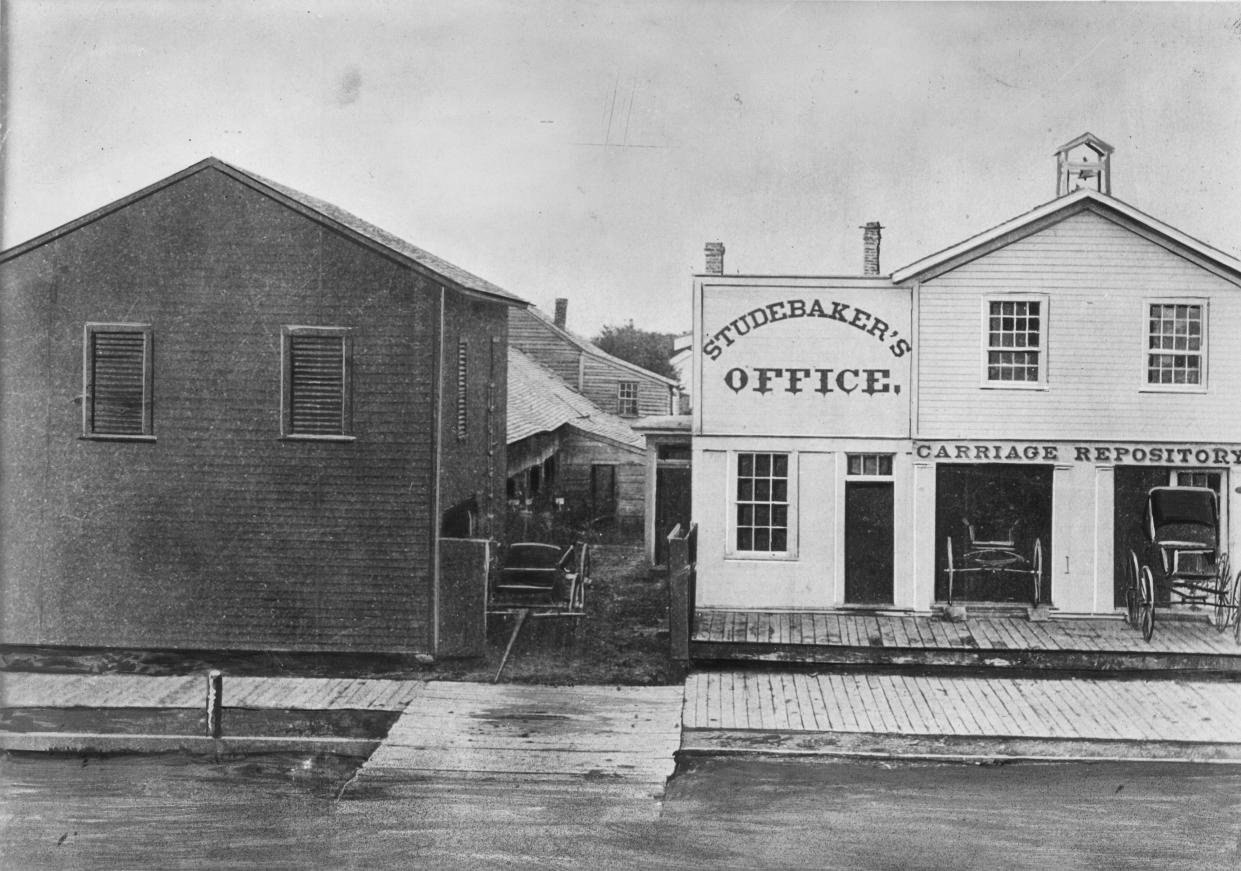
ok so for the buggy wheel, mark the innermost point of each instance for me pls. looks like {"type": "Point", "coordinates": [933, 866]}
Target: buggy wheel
{"type": "Point", "coordinates": [1132, 595]}
{"type": "Point", "coordinates": [1235, 610]}
{"type": "Point", "coordinates": [951, 570]}
{"type": "Point", "coordinates": [1223, 593]}
{"type": "Point", "coordinates": [1146, 611]}
{"type": "Point", "coordinates": [1037, 571]}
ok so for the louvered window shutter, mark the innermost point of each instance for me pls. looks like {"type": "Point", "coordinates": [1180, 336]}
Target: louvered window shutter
{"type": "Point", "coordinates": [118, 383]}
{"type": "Point", "coordinates": [317, 384]}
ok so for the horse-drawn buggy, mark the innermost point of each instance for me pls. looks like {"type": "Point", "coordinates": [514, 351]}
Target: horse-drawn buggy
{"type": "Point", "coordinates": [1183, 562]}
{"type": "Point", "coordinates": [997, 557]}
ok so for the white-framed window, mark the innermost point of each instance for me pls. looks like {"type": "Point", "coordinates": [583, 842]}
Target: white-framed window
{"type": "Point", "coordinates": [1174, 355]}
{"type": "Point", "coordinates": [869, 466]}
{"type": "Point", "coordinates": [1014, 341]}
{"type": "Point", "coordinates": [763, 507]}
{"type": "Point", "coordinates": [627, 398]}
{"type": "Point", "coordinates": [117, 382]}
{"type": "Point", "coordinates": [316, 372]}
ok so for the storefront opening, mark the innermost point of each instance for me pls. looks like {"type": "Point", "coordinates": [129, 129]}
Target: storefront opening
{"type": "Point", "coordinates": [997, 517]}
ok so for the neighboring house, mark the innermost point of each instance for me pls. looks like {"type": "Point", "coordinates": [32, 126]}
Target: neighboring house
{"type": "Point", "coordinates": [614, 385]}
{"type": "Point", "coordinates": [598, 478]}
{"type": "Point", "coordinates": [237, 417]}
{"type": "Point", "coordinates": [566, 454]}
{"type": "Point", "coordinates": [1026, 387]}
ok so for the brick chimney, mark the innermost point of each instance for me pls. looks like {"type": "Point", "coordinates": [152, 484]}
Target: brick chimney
{"type": "Point", "coordinates": [870, 247]}
{"type": "Point", "coordinates": [715, 258]}
{"type": "Point", "coordinates": [562, 312]}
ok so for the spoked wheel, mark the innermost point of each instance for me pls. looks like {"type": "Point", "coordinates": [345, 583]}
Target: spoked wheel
{"type": "Point", "coordinates": [1223, 593]}
{"type": "Point", "coordinates": [1146, 608]}
{"type": "Point", "coordinates": [1037, 570]}
{"type": "Point", "coordinates": [1235, 610]}
{"type": "Point", "coordinates": [951, 570]}
{"type": "Point", "coordinates": [1132, 594]}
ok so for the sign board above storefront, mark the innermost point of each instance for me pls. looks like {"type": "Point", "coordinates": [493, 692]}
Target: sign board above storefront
{"type": "Point", "coordinates": [1100, 454]}
{"type": "Point", "coordinates": [801, 360]}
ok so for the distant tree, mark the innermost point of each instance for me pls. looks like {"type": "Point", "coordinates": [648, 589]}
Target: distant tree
{"type": "Point", "coordinates": [643, 348]}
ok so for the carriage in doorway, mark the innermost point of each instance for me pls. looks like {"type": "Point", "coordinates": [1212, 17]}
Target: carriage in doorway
{"type": "Point", "coordinates": [996, 557]}
{"type": "Point", "coordinates": [1184, 563]}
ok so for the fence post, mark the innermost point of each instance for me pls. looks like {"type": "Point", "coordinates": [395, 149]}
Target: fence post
{"type": "Point", "coordinates": [680, 609]}
{"type": "Point", "coordinates": [215, 704]}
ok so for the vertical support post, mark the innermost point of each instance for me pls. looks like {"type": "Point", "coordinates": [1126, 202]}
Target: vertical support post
{"type": "Point", "coordinates": [215, 703]}
{"type": "Point", "coordinates": [680, 605]}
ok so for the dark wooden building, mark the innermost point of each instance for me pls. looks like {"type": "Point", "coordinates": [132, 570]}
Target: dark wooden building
{"type": "Point", "coordinates": [237, 417]}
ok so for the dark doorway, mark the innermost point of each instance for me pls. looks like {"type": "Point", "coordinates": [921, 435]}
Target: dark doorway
{"type": "Point", "coordinates": [602, 491]}
{"type": "Point", "coordinates": [672, 506]}
{"type": "Point", "coordinates": [1002, 502]}
{"type": "Point", "coordinates": [869, 542]}
{"type": "Point", "coordinates": [1131, 485]}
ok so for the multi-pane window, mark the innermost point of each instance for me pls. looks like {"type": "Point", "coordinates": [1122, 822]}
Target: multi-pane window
{"type": "Point", "coordinates": [316, 381]}
{"type": "Point", "coordinates": [869, 465]}
{"type": "Point", "coordinates": [1015, 332]}
{"type": "Point", "coordinates": [1210, 480]}
{"type": "Point", "coordinates": [118, 380]}
{"type": "Point", "coordinates": [762, 502]}
{"type": "Point", "coordinates": [627, 398]}
{"type": "Point", "coordinates": [1176, 338]}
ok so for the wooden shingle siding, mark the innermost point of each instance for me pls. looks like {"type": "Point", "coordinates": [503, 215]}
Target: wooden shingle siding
{"type": "Point", "coordinates": [220, 534]}
{"type": "Point", "coordinates": [473, 466]}
{"type": "Point", "coordinates": [1097, 277]}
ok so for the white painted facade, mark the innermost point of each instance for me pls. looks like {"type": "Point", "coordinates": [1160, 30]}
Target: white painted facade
{"type": "Point", "coordinates": [1095, 266]}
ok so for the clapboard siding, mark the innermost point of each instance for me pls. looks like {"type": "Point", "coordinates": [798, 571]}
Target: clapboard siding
{"type": "Point", "coordinates": [601, 380]}
{"type": "Point", "coordinates": [1096, 276]}
{"type": "Point", "coordinates": [537, 339]}
{"type": "Point", "coordinates": [220, 534]}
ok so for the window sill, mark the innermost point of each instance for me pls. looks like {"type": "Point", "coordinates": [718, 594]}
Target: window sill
{"type": "Point", "coordinates": [1173, 388]}
{"type": "Point", "coordinates": [1013, 385]}
{"type": "Point", "coordinates": [760, 557]}
{"type": "Point", "coordinates": [114, 437]}
{"type": "Point", "coordinates": [302, 437]}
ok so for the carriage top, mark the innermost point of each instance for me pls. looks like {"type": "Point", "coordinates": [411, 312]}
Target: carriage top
{"type": "Point", "coordinates": [1182, 516]}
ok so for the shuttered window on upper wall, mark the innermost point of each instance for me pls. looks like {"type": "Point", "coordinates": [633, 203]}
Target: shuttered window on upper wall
{"type": "Point", "coordinates": [118, 381]}
{"type": "Point", "coordinates": [316, 382]}
{"type": "Point", "coordinates": [463, 358]}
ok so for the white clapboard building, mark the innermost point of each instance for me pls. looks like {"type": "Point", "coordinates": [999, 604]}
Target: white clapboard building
{"type": "Point", "coordinates": [1025, 388]}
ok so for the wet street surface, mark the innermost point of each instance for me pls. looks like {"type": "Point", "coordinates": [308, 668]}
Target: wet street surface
{"type": "Point", "coordinates": [166, 812]}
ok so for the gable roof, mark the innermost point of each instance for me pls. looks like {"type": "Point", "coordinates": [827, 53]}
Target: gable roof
{"type": "Point", "coordinates": [1081, 200]}
{"type": "Point", "coordinates": [325, 213]}
{"type": "Point", "coordinates": [589, 347]}
{"type": "Point", "coordinates": [538, 402]}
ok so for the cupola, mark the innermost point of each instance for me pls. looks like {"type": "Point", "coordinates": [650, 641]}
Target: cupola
{"type": "Point", "coordinates": [1085, 162]}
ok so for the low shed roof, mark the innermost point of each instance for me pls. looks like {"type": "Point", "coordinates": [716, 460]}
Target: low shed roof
{"type": "Point", "coordinates": [539, 402]}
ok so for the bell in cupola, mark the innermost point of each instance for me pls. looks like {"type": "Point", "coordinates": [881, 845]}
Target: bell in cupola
{"type": "Point", "coordinates": [1085, 162]}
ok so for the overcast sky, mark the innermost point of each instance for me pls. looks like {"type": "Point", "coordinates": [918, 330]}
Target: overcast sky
{"type": "Point", "coordinates": [589, 149]}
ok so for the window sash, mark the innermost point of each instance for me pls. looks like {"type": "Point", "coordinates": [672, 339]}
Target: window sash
{"type": "Point", "coordinates": [627, 398]}
{"type": "Point", "coordinates": [1014, 332]}
{"type": "Point", "coordinates": [762, 506]}
{"type": "Point", "coordinates": [317, 363]}
{"type": "Point", "coordinates": [117, 381]}
{"type": "Point", "coordinates": [1175, 351]}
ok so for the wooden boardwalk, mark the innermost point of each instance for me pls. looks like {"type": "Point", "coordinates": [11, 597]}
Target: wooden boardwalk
{"type": "Point", "coordinates": [624, 736]}
{"type": "Point", "coordinates": [1185, 714]}
{"type": "Point", "coordinates": [39, 690]}
{"type": "Point", "coordinates": [853, 638]}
